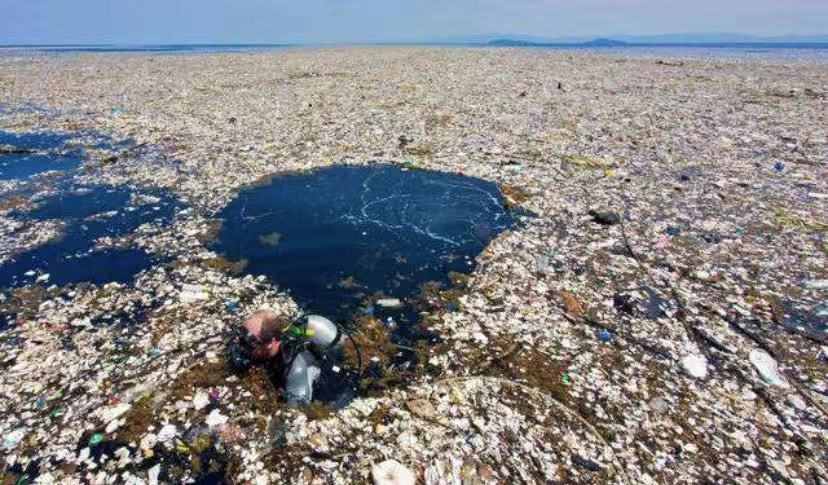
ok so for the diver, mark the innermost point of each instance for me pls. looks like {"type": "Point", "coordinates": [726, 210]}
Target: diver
{"type": "Point", "coordinates": [299, 349]}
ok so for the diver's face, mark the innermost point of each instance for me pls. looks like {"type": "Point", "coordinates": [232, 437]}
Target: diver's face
{"type": "Point", "coordinates": [260, 350]}
{"type": "Point", "coordinates": [265, 350]}
{"type": "Point", "coordinates": [262, 335]}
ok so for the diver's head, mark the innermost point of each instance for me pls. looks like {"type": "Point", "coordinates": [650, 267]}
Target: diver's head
{"type": "Point", "coordinates": [257, 341]}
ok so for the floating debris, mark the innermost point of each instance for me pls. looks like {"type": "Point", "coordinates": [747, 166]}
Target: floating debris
{"type": "Point", "coordinates": [767, 368]}
{"type": "Point", "coordinates": [87, 216]}
{"type": "Point", "coordinates": [391, 472]}
{"type": "Point", "coordinates": [709, 258]}
{"type": "Point", "coordinates": [695, 366]}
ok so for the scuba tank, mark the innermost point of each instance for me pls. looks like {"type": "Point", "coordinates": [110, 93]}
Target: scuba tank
{"type": "Point", "coordinates": [322, 335]}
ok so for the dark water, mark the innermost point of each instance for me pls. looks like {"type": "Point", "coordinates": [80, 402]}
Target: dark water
{"type": "Point", "coordinates": [88, 214]}
{"type": "Point", "coordinates": [21, 166]}
{"type": "Point", "coordinates": [336, 236]}
{"type": "Point", "coordinates": [24, 155]}
{"type": "Point", "coordinates": [35, 141]}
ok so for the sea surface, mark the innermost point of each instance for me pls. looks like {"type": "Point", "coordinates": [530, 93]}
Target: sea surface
{"type": "Point", "coordinates": [807, 52]}
{"type": "Point", "coordinates": [341, 237]}
{"type": "Point", "coordinates": [38, 161]}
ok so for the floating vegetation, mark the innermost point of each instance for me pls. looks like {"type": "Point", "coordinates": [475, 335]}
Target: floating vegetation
{"type": "Point", "coordinates": [586, 163]}
{"type": "Point", "coordinates": [271, 239]}
{"type": "Point", "coordinates": [787, 220]}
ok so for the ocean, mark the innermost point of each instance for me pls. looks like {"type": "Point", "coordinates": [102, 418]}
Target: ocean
{"type": "Point", "coordinates": [760, 51]}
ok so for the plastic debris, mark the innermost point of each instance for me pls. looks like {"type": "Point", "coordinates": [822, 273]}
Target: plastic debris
{"type": "Point", "coordinates": [13, 438]}
{"type": "Point", "coordinates": [201, 400]}
{"type": "Point", "coordinates": [389, 302]}
{"type": "Point", "coordinates": [96, 338]}
{"type": "Point", "coordinates": [767, 368]}
{"type": "Point", "coordinates": [96, 439]}
{"type": "Point", "coordinates": [152, 474]}
{"type": "Point", "coordinates": [605, 336]}
{"type": "Point", "coordinates": [695, 366]}
{"type": "Point", "coordinates": [111, 413]}
{"type": "Point", "coordinates": [391, 472]}
{"type": "Point", "coordinates": [215, 419]}
{"type": "Point", "coordinates": [232, 306]}
{"type": "Point", "coordinates": [167, 433]}
{"type": "Point", "coordinates": [817, 285]}
{"type": "Point", "coordinates": [300, 379]}
{"type": "Point", "coordinates": [193, 294]}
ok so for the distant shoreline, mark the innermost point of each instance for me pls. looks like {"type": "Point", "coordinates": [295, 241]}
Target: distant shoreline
{"type": "Point", "coordinates": [609, 43]}
{"type": "Point", "coordinates": [594, 44]}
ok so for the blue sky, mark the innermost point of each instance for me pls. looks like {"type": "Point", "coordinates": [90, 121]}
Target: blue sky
{"type": "Point", "coordinates": [312, 21]}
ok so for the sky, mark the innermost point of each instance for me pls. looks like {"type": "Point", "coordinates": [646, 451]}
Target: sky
{"type": "Point", "coordinates": [343, 21]}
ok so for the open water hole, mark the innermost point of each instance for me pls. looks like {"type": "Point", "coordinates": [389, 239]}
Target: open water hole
{"type": "Point", "coordinates": [341, 239]}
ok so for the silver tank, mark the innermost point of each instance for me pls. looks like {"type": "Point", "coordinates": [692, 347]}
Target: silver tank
{"type": "Point", "coordinates": [305, 368]}
{"type": "Point", "coordinates": [324, 332]}
{"type": "Point", "coordinates": [300, 378]}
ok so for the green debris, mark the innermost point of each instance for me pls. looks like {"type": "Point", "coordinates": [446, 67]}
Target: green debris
{"type": "Point", "coordinates": [787, 220]}
{"type": "Point", "coordinates": [96, 439]}
{"type": "Point", "coordinates": [271, 240]}
{"type": "Point", "coordinates": [586, 163]}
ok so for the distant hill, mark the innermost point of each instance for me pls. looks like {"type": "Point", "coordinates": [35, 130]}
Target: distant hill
{"type": "Point", "coordinates": [605, 43]}
{"type": "Point", "coordinates": [513, 43]}
{"type": "Point", "coordinates": [524, 43]}
{"type": "Point", "coordinates": [518, 40]}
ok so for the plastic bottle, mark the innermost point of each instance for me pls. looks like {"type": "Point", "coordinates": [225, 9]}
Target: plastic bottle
{"type": "Point", "coordinates": [300, 377]}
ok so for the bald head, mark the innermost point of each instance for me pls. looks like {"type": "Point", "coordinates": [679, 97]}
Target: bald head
{"type": "Point", "coordinates": [266, 327]}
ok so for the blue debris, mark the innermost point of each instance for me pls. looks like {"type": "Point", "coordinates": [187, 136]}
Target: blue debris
{"type": "Point", "coordinates": [232, 306]}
